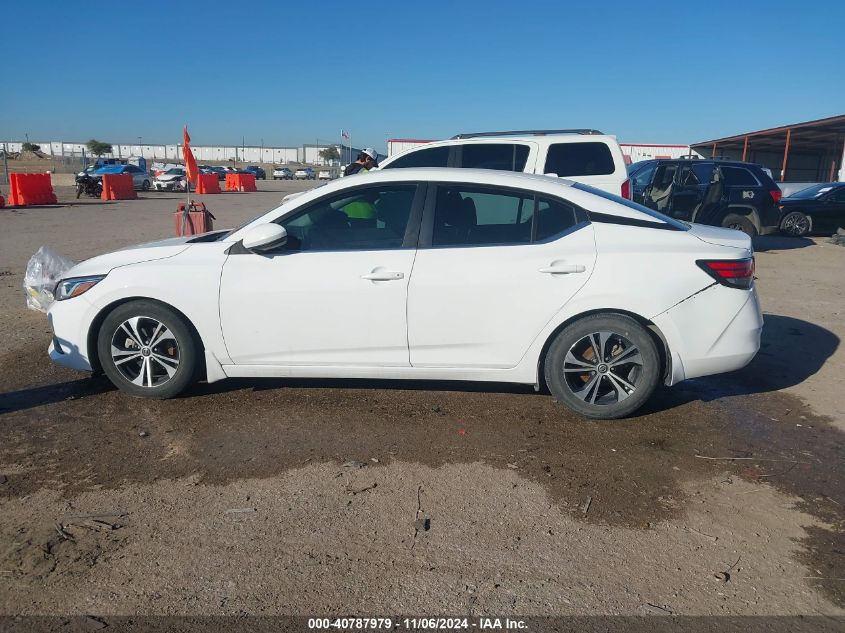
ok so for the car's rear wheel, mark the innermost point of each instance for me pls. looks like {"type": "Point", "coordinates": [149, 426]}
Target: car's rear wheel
{"type": "Point", "coordinates": [603, 366]}
{"type": "Point", "coordinates": [145, 186]}
{"type": "Point", "coordinates": [796, 224]}
{"type": "Point", "coordinates": [147, 350]}
{"type": "Point", "coordinates": [739, 223]}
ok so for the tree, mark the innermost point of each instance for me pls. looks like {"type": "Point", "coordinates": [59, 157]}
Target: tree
{"type": "Point", "coordinates": [329, 154]}
{"type": "Point", "coordinates": [30, 147]}
{"type": "Point", "coordinates": [98, 148]}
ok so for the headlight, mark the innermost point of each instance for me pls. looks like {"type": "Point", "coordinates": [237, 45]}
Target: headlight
{"type": "Point", "coordinates": [75, 286]}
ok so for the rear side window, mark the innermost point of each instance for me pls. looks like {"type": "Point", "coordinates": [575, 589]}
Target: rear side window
{"type": "Point", "coordinates": [704, 172]}
{"type": "Point", "coordinates": [739, 177]}
{"type": "Point", "coordinates": [579, 159]}
{"type": "Point", "coordinates": [501, 156]}
{"type": "Point", "coordinates": [466, 216]}
{"type": "Point", "coordinates": [553, 218]}
{"type": "Point", "coordinates": [433, 157]}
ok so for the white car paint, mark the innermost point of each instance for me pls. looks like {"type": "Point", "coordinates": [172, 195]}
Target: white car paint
{"type": "Point", "coordinates": [538, 151]}
{"type": "Point", "coordinates": [459, 313]}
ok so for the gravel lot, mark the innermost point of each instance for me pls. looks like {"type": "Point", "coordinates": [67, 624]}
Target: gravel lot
{"type": "Point", "coordinates": [329, 497]}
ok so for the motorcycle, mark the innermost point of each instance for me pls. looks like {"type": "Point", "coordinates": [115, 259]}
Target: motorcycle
{"type": "Point", "coordinates": [88, 185]}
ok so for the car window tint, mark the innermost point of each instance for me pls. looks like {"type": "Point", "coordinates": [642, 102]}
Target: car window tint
{"type": "Point", "coordinates": [664, 176]}
{"type": "Point", "coordinates": [739, 177]}
{"type": "Point", "coordinates": [642, 177]}
{"type": "Point", "coordinates": [704, 172]}
{"type": "Point", "coordinates": [579, 159]}
{"type": "Point", "coordinates": [433, 157]}
{"type": "Point", "coordinates": [469, 216]}
{"type": "Point", "coordinates": [687, 176]}
{"type": "Point", "coordinates": [502, 156]}
{"type": "Point", "coordinates": [366, 218]}
{"type": "Point", "coordinates": [553, 218]}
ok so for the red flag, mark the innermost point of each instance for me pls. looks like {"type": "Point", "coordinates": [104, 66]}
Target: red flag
{"type": "Point", "coordinates": [188, 155]}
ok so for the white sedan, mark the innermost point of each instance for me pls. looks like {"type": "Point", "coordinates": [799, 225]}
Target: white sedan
{"type": "Point", "coordinates": [424, 274]}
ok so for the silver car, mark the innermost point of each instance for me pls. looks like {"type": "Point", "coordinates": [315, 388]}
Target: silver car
{"type": "Point", "coordinates": [140, 179]}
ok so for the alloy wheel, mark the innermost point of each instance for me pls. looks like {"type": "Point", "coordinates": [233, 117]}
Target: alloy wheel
{"type": "Point", "coordinates": [145, 351]}
{"type": "Point", "coordinates": [796, 224]}
{"type": "Point", "coordinates": [603, 368]}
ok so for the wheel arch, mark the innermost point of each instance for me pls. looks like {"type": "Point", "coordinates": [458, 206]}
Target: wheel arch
{"type": "Point", "coordinates": [97, 323]}
{"type": "Point", "coordinates": [745, 210]}
{"type": "Point", "coordinates": [658, 337]}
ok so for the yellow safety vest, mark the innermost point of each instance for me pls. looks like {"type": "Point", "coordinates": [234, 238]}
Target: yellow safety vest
{"type": "Point", "coordinates": [360, 210]}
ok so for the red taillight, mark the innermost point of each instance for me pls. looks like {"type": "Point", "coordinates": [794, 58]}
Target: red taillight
{"type": "Point", "coordinates": [736, 273]}
{"type": "Point", "coordinates": [626, 190]}
{"type": "Point", "coordinates": [776, 194]}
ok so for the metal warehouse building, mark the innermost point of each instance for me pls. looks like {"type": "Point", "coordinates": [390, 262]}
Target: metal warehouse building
{"type": "Point", "coordinates": [813, 151]}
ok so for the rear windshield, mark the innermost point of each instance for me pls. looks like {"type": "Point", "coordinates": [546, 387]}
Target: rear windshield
{"type": "Point", "coordinates": [811, 192]}
{"type": "Point", "coordinates": [579, 159]}
{"type": "Point", "coordinates": [675, 224]}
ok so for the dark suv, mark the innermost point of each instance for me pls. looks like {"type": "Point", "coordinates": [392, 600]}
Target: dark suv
{"type": "Point", "coordinates": [717, 192]}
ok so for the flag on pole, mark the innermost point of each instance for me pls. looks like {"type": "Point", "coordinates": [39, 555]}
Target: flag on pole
{"type": "Point", "coordinates": [191, 170]}
{"type": "Point", "coordinates": [344, 134]}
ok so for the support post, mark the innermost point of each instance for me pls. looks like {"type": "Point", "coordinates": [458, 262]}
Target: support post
{"type": "Point", "coordinates": [713, 153]}
{"type": "Point", "coordinates": [785, 155]}
{"type": "Point", "coordinates": [745, 149]}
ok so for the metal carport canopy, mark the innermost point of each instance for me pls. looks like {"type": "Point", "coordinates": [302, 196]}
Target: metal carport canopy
{"type": "Point", "coordinates": [822, 136]}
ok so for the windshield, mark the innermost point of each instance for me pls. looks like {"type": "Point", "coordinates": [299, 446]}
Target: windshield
{"type": "Point", "coordinates": [174, 172]}
{"type": "Point", "coordinates": [811, 192]}
{"type": "Point", "coordinates": [677, 224]}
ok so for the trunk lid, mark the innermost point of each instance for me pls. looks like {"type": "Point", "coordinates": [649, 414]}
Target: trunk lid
{"type": "Point", "coordinates": [721, 237]}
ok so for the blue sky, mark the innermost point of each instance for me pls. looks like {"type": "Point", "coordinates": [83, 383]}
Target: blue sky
{"type": "Point", "coordinates": [292, 72]}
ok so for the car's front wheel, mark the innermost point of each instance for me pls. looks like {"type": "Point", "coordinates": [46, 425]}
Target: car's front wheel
{"type": "Point", "coordinates": [145, 186]}
{"type": "Point", "coordinates": [147, 349]}
{"type": "Point", "coordinates": [796, 224]}
{"type": "Point", "coordinates": [603, 366]}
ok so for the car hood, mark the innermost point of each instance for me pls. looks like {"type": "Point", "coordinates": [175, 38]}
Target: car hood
{"type": "Point", "coordinates": [103, 264]}
{"type": "Point", "coordinates": [721, 237]}
{"type": "Point", "coordinates": [169, 177]}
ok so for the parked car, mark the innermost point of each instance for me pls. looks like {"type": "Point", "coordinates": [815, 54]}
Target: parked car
{"type": "Point", "coordinates": [256, 171]}
{"type": "Point", "coordinates": [171, 180]}
{"type": "Point", "coordinates": [817, 209]}
{"type": "Point", "coordinates": [424, 274]}
{"type": "Point", "coordinates": [586, 156]}
{"type": "Point", "coordinates": [305, 173]}
{"type": "Point", "coordinates": [282, 173]}
{"type": "Point", "coordinates": [723, 193]}
{"type": "Point", "coordinates": [324, 174]}
{"type": "Point", "coordinates": [220, 171]}
{"type": "Point", "coordinates": [140, 179]}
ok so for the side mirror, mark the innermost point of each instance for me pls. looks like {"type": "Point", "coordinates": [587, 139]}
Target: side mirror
{"type": "Point", "coordinates": [264, 237]}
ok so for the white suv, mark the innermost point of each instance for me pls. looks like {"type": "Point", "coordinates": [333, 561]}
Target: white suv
{"type": "Point", "coordinates": [585, 156]}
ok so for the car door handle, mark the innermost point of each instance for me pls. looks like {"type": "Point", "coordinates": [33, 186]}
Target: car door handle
{"type": "Point", "coordinates": [563, 269]}
{"type": "Point", "coordinates": [383, 275]}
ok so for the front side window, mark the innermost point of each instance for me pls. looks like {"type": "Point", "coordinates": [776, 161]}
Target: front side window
{"type": "Point", "coordinates": [579, 159]}
{"type": "Point", "coordinates": [838, 195]}
{"type": "Point", "coordinates": [367, 218]}
{"type": "Point", "coordinates": [431, 157]}
{"type": "Point", "coordinates": [501, 156]}
{"type": "Point", "coordinates": [642, 177]}
{"type": "Point", "coordinates": [475, 216]}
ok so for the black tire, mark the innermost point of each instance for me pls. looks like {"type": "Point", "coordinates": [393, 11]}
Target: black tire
{"type": "Point", "coordinates": [78, 191]}
{"type": "Point", "coordinates": [181, 358]}
{"type": "Point", "coordinates": [739, 223]}
{"type": "Point", "coordinates": [145, 186]}
{"type": "Point", "coordinates": [796, 224]}
{"type": "Point", "coordinates": [603, 381]}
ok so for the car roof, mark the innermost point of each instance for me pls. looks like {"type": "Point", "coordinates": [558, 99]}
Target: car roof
{"type": "Point", "coordinates": [579, 194]}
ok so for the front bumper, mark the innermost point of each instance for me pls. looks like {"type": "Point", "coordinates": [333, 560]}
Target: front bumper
{"type": "Point", "coordinates": [70, 322]}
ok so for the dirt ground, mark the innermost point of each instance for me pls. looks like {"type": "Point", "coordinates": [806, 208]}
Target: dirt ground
{"type": "Point", "coordinates": [315, 497]}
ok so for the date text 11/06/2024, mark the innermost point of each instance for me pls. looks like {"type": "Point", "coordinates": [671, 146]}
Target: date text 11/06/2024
{"type": "Point", "coordinates": [415, 624]}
